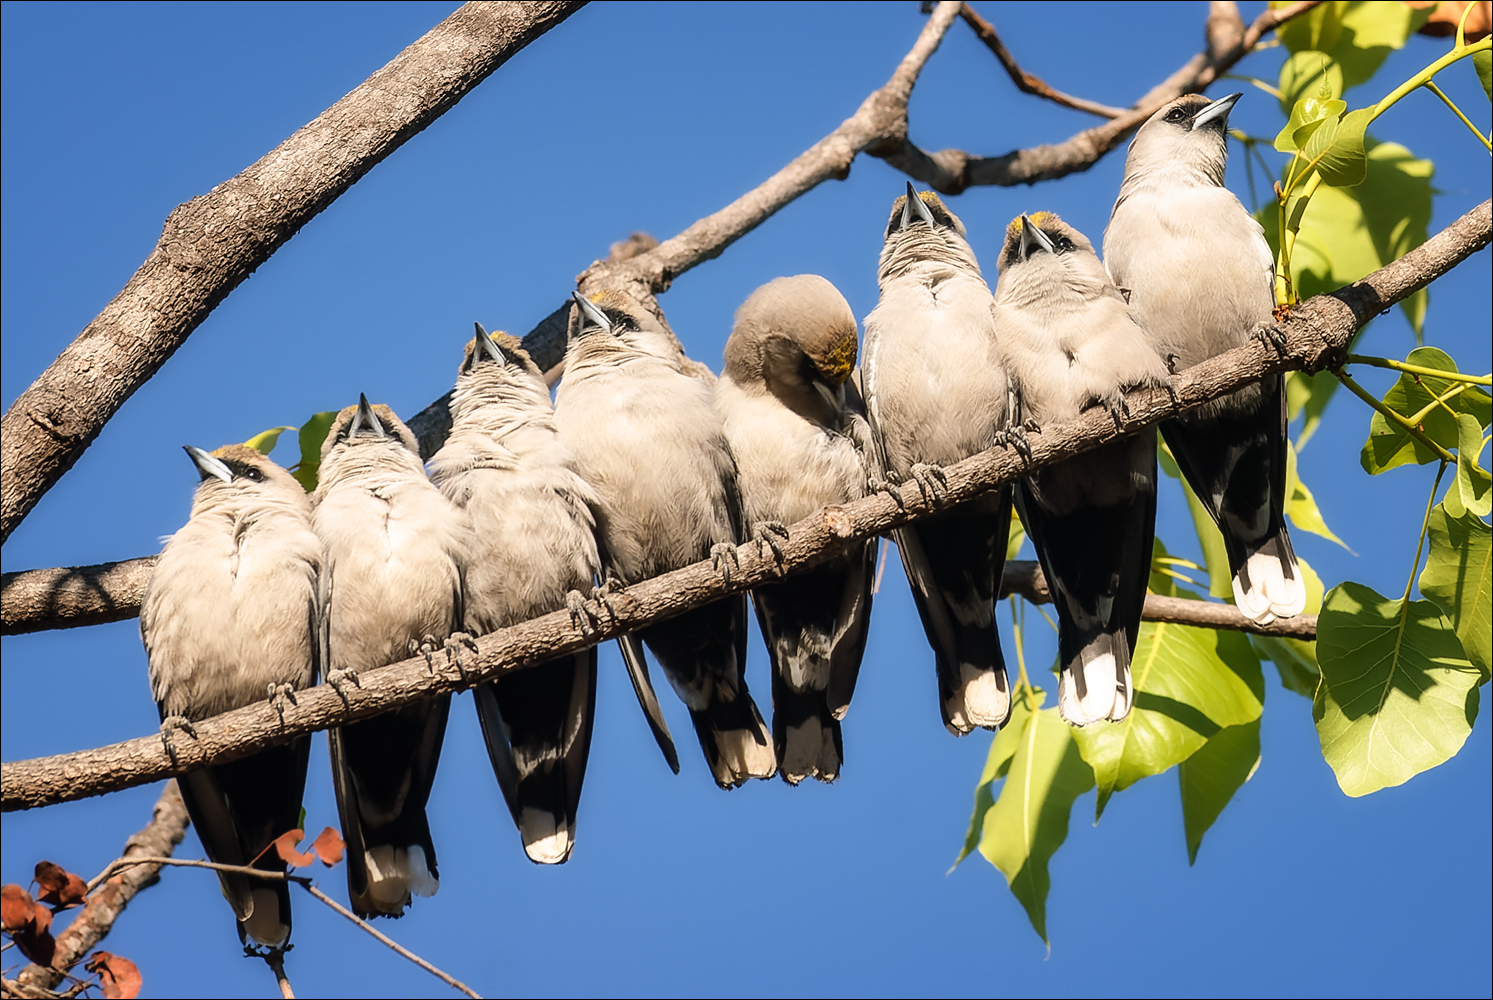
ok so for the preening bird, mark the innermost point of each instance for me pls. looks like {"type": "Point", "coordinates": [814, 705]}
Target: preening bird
{"type": "Point", "coordinates": [647, 439]}
{"type": "Point", "coordinates": [799, 440]}
{"type": "Point", "coordinates": [1071, 342]}
{"type": "Point", "coordinates": [532, 546]}
{"type": "Point", "coordinates": [1201, 280]}
{"type": "Point", "coordinates": [395, 549]}
{"type": "Point", "coordinates": [936, 394]}
{"type": "Point", "coordinates": [229, 616]}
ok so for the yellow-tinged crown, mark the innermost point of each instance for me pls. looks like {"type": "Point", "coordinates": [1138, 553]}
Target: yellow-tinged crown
{"type": "Point", "coordinates": [1039, 219]}
{"type": "Point", "coordinates": [839, 360]}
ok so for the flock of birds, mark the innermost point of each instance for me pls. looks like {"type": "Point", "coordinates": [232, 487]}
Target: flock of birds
{"type": "Point", "coordinates": [637, 469]}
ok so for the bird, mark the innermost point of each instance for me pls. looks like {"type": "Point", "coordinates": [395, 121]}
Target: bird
{"type": "Point", "coordinates": [647, 439]}
{"type": "Point", "coordinates": [936, 393]}
{"type": "Point", "coordinates": [1070, 342]}
{"type": "Point", "coordinates": [1201, 279]}
{"type": "Point", "coordinates": [230, 615]}
{"type": "Point", "coordinates": [533, 551]}
{"type": "Point", "coordinates": [395, 556]}
{"type": "Point", "coordinates": [800, 443]}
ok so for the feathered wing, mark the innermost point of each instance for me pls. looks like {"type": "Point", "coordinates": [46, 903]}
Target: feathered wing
{"type": "Point", "coordinates": [1097, 559]}
{"type": "Point", "coordinates": [1234, 458]}
{"type": "Point", "coordinates": [537, 727]}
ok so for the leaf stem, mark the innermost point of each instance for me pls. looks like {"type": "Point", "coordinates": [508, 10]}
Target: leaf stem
{"type": "Point", "coordinates": [1022, 681]}
{"type": "Point", "coordinates": [1431, 86]}
{"type": "Point", "coordinates": [1425, 75]}
{"type": "Point", "coordinates": [1393, 416]}
{"type": "Point", "coordinates": [1402, 366]}
{"type": "Point", "coordinates": [1424, 523]}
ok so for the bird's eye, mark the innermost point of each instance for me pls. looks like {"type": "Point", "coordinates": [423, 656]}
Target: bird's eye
{"type": "Point", "coordinates": [1062, 244]}
{"type": "Point", "coordinates": [1176, 115]}
{"type": "Point", "coordinates": [254, 474]}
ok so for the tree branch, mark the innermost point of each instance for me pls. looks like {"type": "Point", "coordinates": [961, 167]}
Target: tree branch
{"type": "Point", "coordinates": [67, 597]}
{"type": "Point", "coordinates": [1026, 82]}
{"type": "Point", "coordinates": [213, 242]}
{"type": "Point", "coordinates": [953, 170]}
{"type": "Point", "coordinates": [1317, 334]}
{"type": "Point", "coordinates": [144, 853]}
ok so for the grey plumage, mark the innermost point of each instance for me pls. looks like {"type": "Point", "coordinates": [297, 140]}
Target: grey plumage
{"type": "Point", "coordinates": [532, 545]}
{"type": "Point", "coordinates": [1070, 342]}
{"type": "Point", "coordinates": [393, 584]}
{"type": "Point", "coordinates": [798, 445]}
{"type": "Point", "coordinates": [936, 394]}
{"type": "Point", "coordinates": [230, 614]}
{"type": "Point", "coordinates": [1201, 281]}
{"type": "Point", "coordinates": [647, 440]}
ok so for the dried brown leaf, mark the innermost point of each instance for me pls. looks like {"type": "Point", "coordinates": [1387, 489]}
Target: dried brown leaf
{"type": "Point", "coordinates": [59, 886]}
{"type": "Point", "coordinates": [37, 944]}
{"type": "Point", "coordinates": [329, 846]}
{"type": "Point", "coordinates": [119, 978]}
{"type": "Point", "coordinates": [1443, 20]}
{"type": "Point", "coordinates": [16, 907]}
{"type": "Point", "coordinates": [285, 846]}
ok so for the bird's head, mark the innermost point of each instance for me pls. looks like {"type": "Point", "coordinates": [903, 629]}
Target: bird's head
{"type": "Point", "coordinates": [611, 322]}
{"type": "Point", "coordinates": [1186, 138]}
{"type": "Point", "coordinates": [797, 337]}
{"type": "Point", "coordinates": [1040, 233]}
{"type": "Point", "coordinates": [922, 229]}
{"type": "Point", "coordinates": [239, 472]}
{"type": "Point", "coordinates": [367, 424]}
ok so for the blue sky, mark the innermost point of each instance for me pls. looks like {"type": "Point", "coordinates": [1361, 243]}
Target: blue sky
{"type": "Point", "coordinates": [648, 117]}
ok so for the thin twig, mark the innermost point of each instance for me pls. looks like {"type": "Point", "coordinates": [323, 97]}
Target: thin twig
{"type": "Point", "coordinates": [1405, 366]}
{"type": "Point", "coordinates": [1026, 82]}
{"type": "Point", "coordinates": [275, 959]}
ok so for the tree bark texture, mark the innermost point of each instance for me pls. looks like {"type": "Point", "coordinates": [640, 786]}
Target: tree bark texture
{"type": "Point", "coordinates": [1317, 333]}
{"type": "Point", "coordinates": [213, 242]}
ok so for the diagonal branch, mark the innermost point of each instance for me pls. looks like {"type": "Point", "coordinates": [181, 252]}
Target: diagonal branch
{"type": "Point", "coordinates": [1029, 83]}
{"type": "Point", "coordinates": [1317, 334]}
{"type": "Point", "coordinates": [213, 242]}
{"type": "Point", "coordinates": [953, 170]}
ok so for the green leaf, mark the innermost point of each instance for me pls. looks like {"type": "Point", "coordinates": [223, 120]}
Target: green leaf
{"type": "Point", "coordinates": [313, 433]}
{"type": "Point", "coordinates": [1017, 537]}
{"type": "Point", "coordinates": [1336, 149]}
{"type": "Point", "coordinates": [1189, 683]}
{"type": "Point", "coordinates": [1398, 696]}
{"type": "Point", "coordinates": [1472, 479]}
{"type": "Point", "coordinates": [1359, 36]}
{"type": "Point", "coordinates": [1309, 74]}
{"type": "Point", "coordinates": [1306, 116]}
{"type": "Point", "coordinates": [1307, 396]}
{"type": "Point", "coordinates": [1296, 659]}
{"type": "Point", "coordinates": [1347, 233]}
{"type": "Point", "coordinates": [1389, 445]}
{"type": "Point", "coordinates": [997, 764]}
{"type": "Point", "coordinates": [1210, 777]}
{"type": "Point", "coordinates": [1029, 821]}
{"type": "Point", "coordinates": [264, 442]}
{"type": "Point", "coordinates": [1457, 577]}
{"type": "Point", "coordinates": [1483, 63]}
{"type": "Point", "coordinates": [1317, 29]}
{"type": "Point", "coordinates": [1301, 506]}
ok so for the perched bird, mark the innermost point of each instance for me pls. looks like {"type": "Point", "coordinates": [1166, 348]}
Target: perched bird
{"type": "Point", "coordinates": [936, 394]}
{"type": "Point", "coordinates": [533, 549]}
{"type": "Point", "coordinates": [646, 438]}
{"type": "Point", "coordinates": [1201, 280]}
{"type": "Point", "coordinates": [229, 616]}
{"type": "Point", "coordinates": [800, 444]}
{"type": "Point", "coordinates": [395, 550]}
{"type": "Point", "coordinates": [1070, 342]}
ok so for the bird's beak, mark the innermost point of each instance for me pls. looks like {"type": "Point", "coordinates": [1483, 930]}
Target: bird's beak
{"type": "Point", "coordinates": [914, 206]}
{"type": "Point", "coordinates": [1033, 239]}
{"type": "Point", "coordinates": [487, 347]}
{"type": "Point", "coordinates": [590, 315]}
{"type": "Point", "coordinates": [365, 419]}
{"type": "Point", "coordinates": [1218, 109]}
{"type": "Point", "coordinates": [207, 465]}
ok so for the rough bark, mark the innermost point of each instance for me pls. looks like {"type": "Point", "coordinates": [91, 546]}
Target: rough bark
{"type": "Point", "coordinates": [70, 596]}
{"type": "Point", "coordinates": [213, 242]}
{"type": "Point", "coordinates": [1317, 333]}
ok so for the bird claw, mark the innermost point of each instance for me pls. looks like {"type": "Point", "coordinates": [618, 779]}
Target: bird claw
{"type": "Point", "coordinates": [1015, 438]}
{"type": "Point", "coordinates": [278, 695]}
{"type": "Point", "coordinates": [425, 647]}
{"type": "Point", "coordinates": [1119, 411]}
{"type": "Point", "coordinates": [581, 613]}
{"type": "Point", "coordinates": [932, 482]}
{"type": "Point", "coordinates": [455, 644]}
{"type": "Point", "coordinates": [602, 595]}
{"type": "Point", "coordinates": [771, 534]}
{"type": "Point", "coordinates": [1271, 335]}
{"type": "Point", "coordinates": [169, 723]}
{"type": "Point", "coordinates": [1171, 363]}
{"type": "Point", "coordinates": [723, 557]}
{"type": "Point", "coordinates": [338, 678]}
{"type": "Point", "coordinates": [888, 486]}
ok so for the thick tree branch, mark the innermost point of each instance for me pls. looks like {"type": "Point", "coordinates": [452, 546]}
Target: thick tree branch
{"type": "Point", "coordinates": [953, 170]}
{"type": "Point", "coordinates": [67, 597]}
{"type": "Point", "coordinates": [213, 242]}
{"type": "Point", "coordinates": [106, 901]}
{"type": "Point", "coordinates": [1317, 334]}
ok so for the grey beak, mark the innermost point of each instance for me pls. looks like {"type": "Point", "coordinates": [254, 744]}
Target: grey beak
{"type": "Point", "coordinates": [207, 465]}
{"type": "Point", "coordinates": [1218, 109]}
{"type": "Point", "coordinates": [1033, 239]}
{"type": "Point", "coordinates": [486, 346]}
{"type": "Point", "coordinates": [914, 206]}
{"type": "Point", "coordinates": [365, 420]}
{"type": "Point", "coordinates": [590, 315]}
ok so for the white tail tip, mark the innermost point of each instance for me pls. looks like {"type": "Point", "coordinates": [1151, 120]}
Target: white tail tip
{"type": "Point", "coordinates": [1107, 692]}
{"type": "Point", "coordinates": [544, 841]}
{"type": "Point", "coordinates": [1270, 594]}
{"type": "Point", "coordinates": [263, 922]}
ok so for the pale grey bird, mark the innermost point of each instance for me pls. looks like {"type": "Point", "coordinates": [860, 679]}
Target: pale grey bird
{"type": "Point", "coordinates": [1201, 280]}
{"type": "Point", "coordinates": [395, 552]}
{"type": "Point", "coordinates": [533, 550]}
{"type": "Point", "coordinates": [1071, 342]}
{"type": "Point", "coordinates": [230, 616]}
{"type": "Point", "coordinates": [800, 441]}
{"type": "Point", "coordinates": [647, 440]}
{"type": "Point", "coordinates": [935, 394]}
